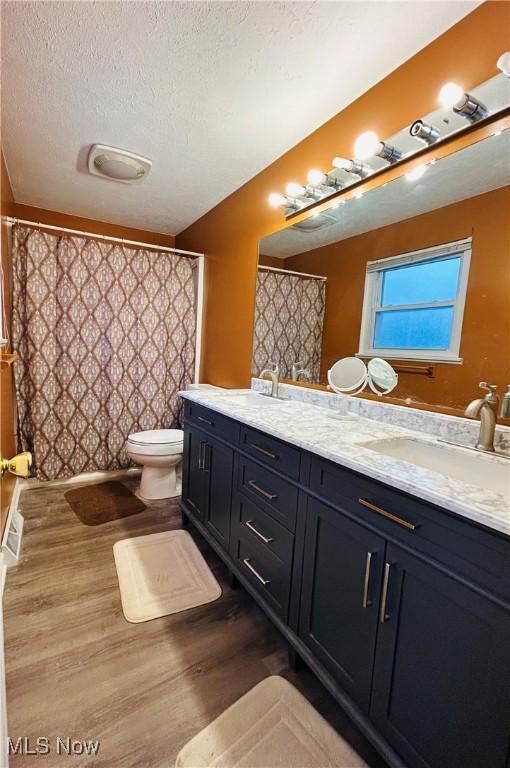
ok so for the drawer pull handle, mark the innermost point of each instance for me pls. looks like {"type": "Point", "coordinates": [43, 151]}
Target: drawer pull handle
{"type": "Point", "coordinates": [383, 512]}
{"type": "Point", "coordinates": [206, 421]}
{"type": "Point", "coordinates": [201, 455]}
{"type": "Point", "coordinates": [249, 524]}
{"type": "Point", "coordinates": [257, 575]}
{"type": "Point", "coordinates": [366, 602]}
{"type": "Point", "coordinates": [383, 616]}
{"type": "Point", "coordinates": [262, 450]}
{"type": "Point", "coordinates": [265, 494]}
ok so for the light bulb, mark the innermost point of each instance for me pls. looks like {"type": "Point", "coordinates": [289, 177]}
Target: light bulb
{"type": "Point", "coordinates": [294, 189]}
{"type": "Point", "coordinates": [342, 162]}
{"type": "Point", "coordinates": [450, 94]}
{"type": "Point", "coordinates": [316, 178]}
{"type": "Point", "coordinates": [276, 200]}
{"type": "Point", "coordinates": [503, 63]}
{"type": "Point", "coordinates": [416, 173]}
{"type": "Point", "coordinates": [366, 145]}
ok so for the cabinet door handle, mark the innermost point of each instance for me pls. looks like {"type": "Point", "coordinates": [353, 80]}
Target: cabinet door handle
{"type": "Point", "coordinates": [265, 494]}
{"type": "Point", "coordinates": [207, 456]}
{"type": "Point", "coordinates": [257, 575]}
{"type": "Point", "coordinates": [249, 524]}
{"type": "Point", "coordinates": [201, 456]}
{"type": "Point", "coordinates": [366, 602]}
{"type": "Point", "coordinates": [262, 450]}
{"type": "Point", "coordinates": [206, 421]}
{"type": "Point", "coordinates": [383, 616]}
{"type": "Point", "coordinates": [389, 515]}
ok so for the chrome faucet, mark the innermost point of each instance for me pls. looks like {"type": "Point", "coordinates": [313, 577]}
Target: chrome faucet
{"type": "Point", "coordinates": [274, 374]}
{"type": "Point", "coordinates": [486, 409]}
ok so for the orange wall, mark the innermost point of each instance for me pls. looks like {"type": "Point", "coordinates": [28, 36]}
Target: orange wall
{"type": "Point", "coordinates": [57, 219]}
{"type": "Point", "coordinates": [229, 234]}
{"type": "Point", "coordinates": [486, 327]}
{"type": "Point", "coordinates": [7, 423]}
{"type": "Point", "coordinates": [270, 261]}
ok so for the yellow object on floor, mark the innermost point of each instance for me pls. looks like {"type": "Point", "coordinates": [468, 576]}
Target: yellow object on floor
{"type": "Point", "coordinates": [162, 573]}
{"type": "Point", "coordinates": [271, 726]}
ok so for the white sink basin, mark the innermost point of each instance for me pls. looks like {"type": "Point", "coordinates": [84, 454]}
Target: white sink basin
{"type": "Point", "coordinates": [489, 472]}
{"type": "Point", "coordinates": [252, 398]}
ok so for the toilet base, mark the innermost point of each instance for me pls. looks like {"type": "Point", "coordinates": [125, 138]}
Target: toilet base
{"type": "Point", "coordinates": [159, 483]}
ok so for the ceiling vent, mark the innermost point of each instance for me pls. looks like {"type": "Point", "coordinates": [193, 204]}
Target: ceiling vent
{"type": "Point", "coordinates": [117, 164]}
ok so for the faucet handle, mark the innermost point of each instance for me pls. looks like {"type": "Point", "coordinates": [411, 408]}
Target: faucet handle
{"type": "Point", "coordinates": [492, 397]}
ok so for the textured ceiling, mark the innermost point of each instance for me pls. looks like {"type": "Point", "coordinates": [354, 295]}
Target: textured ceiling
{"type": "Point", "coordinates": [212, 92]}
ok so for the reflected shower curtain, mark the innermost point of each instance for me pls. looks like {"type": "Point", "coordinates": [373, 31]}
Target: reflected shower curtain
{"type": "Point", "coordinates": [289, 318]}
{"type": "Point", "coordinates": [105, 336]}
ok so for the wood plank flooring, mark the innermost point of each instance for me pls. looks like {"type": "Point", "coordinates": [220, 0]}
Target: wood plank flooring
{"type": "Point", "coordinates": [76, 668]}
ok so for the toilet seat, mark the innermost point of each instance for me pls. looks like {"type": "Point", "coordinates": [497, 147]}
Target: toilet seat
{"type": "Point", "coordinates": [156, 442]}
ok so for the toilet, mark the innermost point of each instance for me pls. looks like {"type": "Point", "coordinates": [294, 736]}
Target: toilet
{"type": "Point", "coordinates": [159, 451]}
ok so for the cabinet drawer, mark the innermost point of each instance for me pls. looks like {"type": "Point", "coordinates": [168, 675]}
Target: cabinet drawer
{"type": "Point", "coordinates": [280, 456]}
{"type": "Point", "coordinates": [275, 495]}
{"type": "Point", "coordinates": [211, 422]}
{"type": "Point", "coordinates": [457, 543]}
{"type": "Point", "coordinates": [269, 576]}
{"type": "Point", "coordinates": [258, 525]}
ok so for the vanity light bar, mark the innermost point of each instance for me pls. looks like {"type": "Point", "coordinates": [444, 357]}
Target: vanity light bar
{"type": "Point", "coordinates": [368, 146]}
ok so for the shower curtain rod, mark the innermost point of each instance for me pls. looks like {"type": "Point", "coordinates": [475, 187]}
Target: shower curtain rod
{"type": "Point", "coordinates": [192, 254]}
{"type": "Point", "coordinates": [291, 272]}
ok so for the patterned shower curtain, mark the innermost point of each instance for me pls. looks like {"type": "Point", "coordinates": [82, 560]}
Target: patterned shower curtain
{"type": "Point", "coordinates": [105, 336]}
{"type": "Point", "coordinates": [289, 318]}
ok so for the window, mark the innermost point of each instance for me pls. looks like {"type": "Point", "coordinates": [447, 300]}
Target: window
{"type": "Point", "coordinates": [414, 304]}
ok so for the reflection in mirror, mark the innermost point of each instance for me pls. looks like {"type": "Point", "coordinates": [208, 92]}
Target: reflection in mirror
{"type": "Point", "coordinates": [416, 271]}
{"type": "Point", "coordinates": [289, 323]}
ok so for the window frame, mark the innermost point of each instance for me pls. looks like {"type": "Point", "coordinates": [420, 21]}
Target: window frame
{"type": "Point", "coordinates": [372, 297]}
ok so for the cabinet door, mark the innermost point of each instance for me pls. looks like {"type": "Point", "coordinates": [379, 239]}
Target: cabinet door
{"type": "Point", "coordinates": [219, 462]}
{"type": "Point", "coordinates": [195, 479]}
{"type": "Point", "coordinates": [341, 584]}
{"type": "Point", "coordinates": [442, 676]}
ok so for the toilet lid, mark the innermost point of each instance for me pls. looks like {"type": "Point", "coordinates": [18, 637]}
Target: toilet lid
{"type": "Point", "coordinates": [157, 437]}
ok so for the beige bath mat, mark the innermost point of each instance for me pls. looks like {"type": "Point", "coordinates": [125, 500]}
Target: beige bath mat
{"type": "Point", "coordinates": [103, 502]}
{"type": "Point", "coordinates": [271, 726]}
{"type": "Point", "coordinates": [162, 573]}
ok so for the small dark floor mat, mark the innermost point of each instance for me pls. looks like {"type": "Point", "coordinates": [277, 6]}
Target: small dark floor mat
{"type": "Point", "coordinates": [102, 503]}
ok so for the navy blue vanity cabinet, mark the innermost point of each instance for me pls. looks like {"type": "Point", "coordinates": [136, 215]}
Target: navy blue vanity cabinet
{"type": "Point", "coordinates": [194, 479]}
{"type": "Point", "coordinates": [401, 608]}
{"type": "Point", "coordinates": [207, 481]}
{"type": "Point", "coordinates": [218, 466]}
{"type": "Point", "coordinates": [342, 572]}
{"type": "Point", "coordinates": [442, 675]}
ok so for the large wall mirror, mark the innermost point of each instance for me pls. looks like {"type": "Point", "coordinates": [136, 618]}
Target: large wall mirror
{"type": "Point", "coordinates": [416, 271]}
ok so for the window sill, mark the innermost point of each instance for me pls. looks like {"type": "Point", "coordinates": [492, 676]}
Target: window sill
{"type": "Point", "coordinates": [410, 358]}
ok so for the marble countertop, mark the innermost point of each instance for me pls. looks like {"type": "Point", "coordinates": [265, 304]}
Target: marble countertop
{"type": "Point", "coordinates": [340, 437]}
